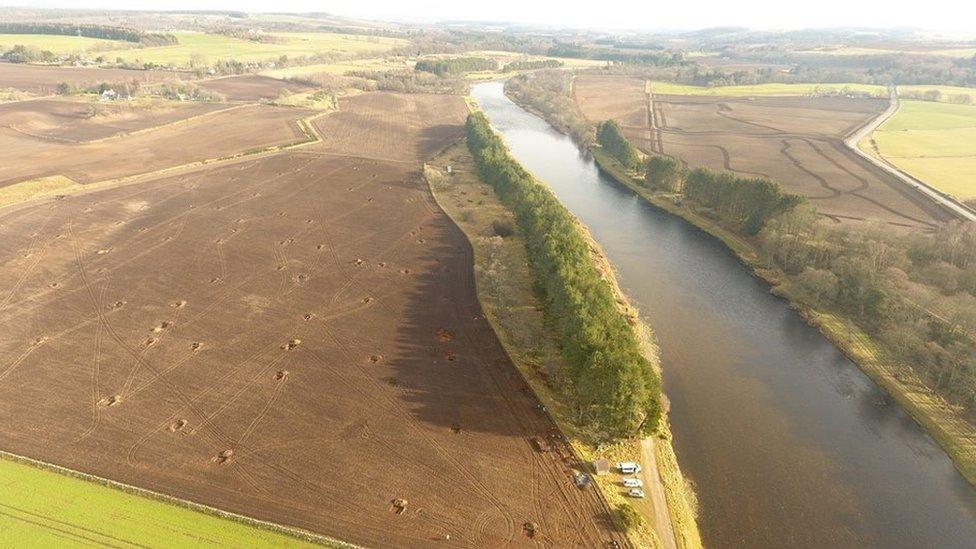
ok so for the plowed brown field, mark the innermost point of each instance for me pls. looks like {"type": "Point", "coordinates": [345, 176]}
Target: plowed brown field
{"type": "Point", "coordinates": [374, 125]}
{"type": "Point", "coordinates": [45, 80]}
{"type": "Point", "coordinates": [795, 141]}
{"type": "Point", "coordinates": [24, 156]}
{"type": "Point", "coordinates": [295, 338]}
{"type": "Point", "coordinates": [71, 121]}
{"type": "Point", "coordinates": [251, 87]}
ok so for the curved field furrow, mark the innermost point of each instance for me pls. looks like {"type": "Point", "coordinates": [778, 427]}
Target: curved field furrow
{"type": "Point", "coordinates": [795, 141]}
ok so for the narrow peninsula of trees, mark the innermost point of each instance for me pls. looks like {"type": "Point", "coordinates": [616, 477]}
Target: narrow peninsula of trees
{"type": "Point", "coordinates": [614, 387]}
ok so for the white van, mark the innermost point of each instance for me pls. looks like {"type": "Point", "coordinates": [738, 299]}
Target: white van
{"type": "Point", "coordinates": [629, 468]}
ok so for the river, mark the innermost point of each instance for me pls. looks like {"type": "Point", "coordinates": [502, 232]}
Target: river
{"type": "Point", "coordinates": [788, 443]}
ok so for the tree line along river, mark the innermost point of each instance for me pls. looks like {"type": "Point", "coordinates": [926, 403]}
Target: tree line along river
{"type": "Point", "coordinates": [787, 442]}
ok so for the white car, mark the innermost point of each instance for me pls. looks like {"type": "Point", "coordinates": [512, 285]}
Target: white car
{"type": "Point", "coordinates": [629, 468]}
{"type": "Point", "coordinates": [636, 493]}
{"type": "Point", "coordinates": [633, 482]}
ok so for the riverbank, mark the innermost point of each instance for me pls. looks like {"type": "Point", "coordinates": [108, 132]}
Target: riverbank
{"type": "Point", "coordinates": [505, 289]}
{"type": "Point", "coordinates": [954, 434]}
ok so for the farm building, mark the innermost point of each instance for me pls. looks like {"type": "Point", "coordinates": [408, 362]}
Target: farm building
{"type": "Point", "coordinates": [601, 466]}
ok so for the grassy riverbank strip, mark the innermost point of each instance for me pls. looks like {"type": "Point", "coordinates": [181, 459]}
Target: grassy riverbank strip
{"type": "Point", "coordinates": [515, 310]}
{"type": "Point", "coordinates": [938, 417]}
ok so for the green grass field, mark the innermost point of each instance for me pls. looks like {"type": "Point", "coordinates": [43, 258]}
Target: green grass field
{"type": "Point", "coordinates": [40, 508]}
{"type": "Point", "coordinates": [202, 49]}
{"type": "Point", "coordinates": [760, 90]}
{"type": "Point", "coordinates": [60, 44]}
{"type": "Point", "coordinates": [935, 142]}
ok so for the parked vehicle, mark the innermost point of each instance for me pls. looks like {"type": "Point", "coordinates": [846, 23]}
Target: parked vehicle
{"type": "Point", "coordinates": [636, 493]}
{"type": "Point", "coordinates": [633, 482]}
{"type": "Point", "coordinates": [629, 468]}
{"type": "Point", "coordinates": [582, 480]}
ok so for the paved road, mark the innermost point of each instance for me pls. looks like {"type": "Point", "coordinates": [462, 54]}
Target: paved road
{"type": "Point", "coordinates": [866, 130]}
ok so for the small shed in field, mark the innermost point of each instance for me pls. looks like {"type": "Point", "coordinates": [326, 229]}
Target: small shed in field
{"type": "Point", "coordinates": [601, 466]}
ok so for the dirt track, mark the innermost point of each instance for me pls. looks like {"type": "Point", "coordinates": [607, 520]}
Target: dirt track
{"type": "Point", "coordinates": [295, 338]}
{"type": "Point", "coordinates": [796, 141]}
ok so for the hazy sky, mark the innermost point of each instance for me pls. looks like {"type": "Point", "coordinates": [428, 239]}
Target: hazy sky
{"type": "Point", "coordinates": [954, 15]}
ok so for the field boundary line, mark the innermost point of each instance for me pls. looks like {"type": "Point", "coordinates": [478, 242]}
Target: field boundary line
{"type": "Point", "coordinates": [294, 532]}
{"type": "Point", "coordinates": [140, 131]}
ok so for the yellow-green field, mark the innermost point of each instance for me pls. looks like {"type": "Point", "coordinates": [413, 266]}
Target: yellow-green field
{"type": "Point", "coordinates": [946, 91]}
{"type": "Point", "coordinates": [40, 508]}
{"type": "Point", "coordinates": [764, 89]}
{"type": "Point", "coordinates": [342, 67]}
{"type": "Point", "coordinates": [44, 186]}
{"type": "Point", "coordinates": [934, 142]}
{"type": "Point", "coordinates": [945, 52]}
{"type": "Point", "coordinates": [197, 48]}
{"type": "Point", "coordinates": [60, 44]}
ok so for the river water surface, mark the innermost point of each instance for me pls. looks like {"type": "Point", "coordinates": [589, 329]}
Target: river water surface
{"type": "Point", "coordinates": [788, 443]}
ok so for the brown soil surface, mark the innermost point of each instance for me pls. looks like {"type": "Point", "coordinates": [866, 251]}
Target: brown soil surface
{"type": "Point", "coordinates": [44, 80]}
{"type": "Point", "coordinates": [795, 141]}
{"type": "Point", "coordinates": [612, 97]}
{"type": "Point", "coordinates": [24, 157]}
{"type": "Point", "coordinates": [392, 126]}
{"type": "Point", "coordinates": [251, 87]}
{"type": "Point", "coordinates": [74, 121]}
{"type": "Point", "coordinates": [295, 338]}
